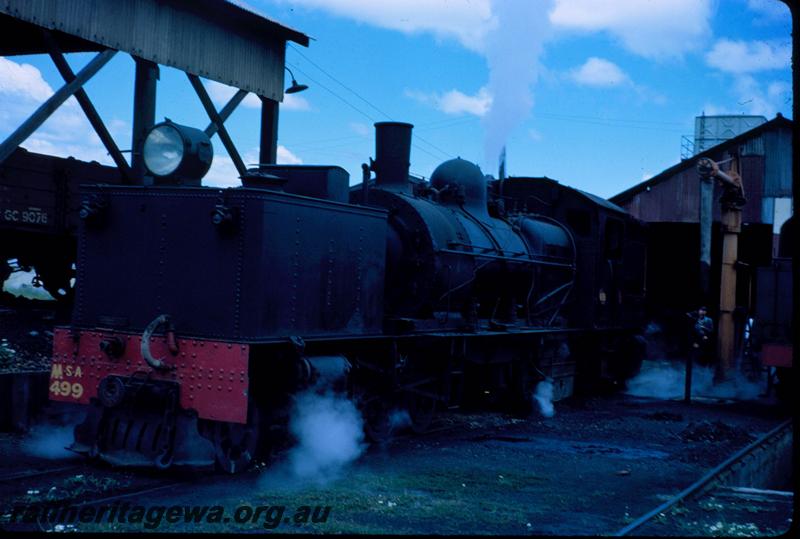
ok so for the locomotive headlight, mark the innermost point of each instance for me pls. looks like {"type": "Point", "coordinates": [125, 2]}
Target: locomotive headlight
{"type": "Point", "coordinates": [176, 153]}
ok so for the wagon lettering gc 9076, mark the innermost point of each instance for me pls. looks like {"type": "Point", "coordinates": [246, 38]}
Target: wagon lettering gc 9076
{"type": "Point", "coordinates": [29, 216]}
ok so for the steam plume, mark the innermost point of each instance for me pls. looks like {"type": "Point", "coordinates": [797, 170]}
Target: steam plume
{"type": "Point", "coordinates": [49, 442]}
{"type": "Point", "coordinates": [543, 396]}
{"type": "Point", "coordinates": [329, 430]}
{"type": "Point", "coordinates": [513, 48]}
{"type": "Point", "coordinates": [665, 380]}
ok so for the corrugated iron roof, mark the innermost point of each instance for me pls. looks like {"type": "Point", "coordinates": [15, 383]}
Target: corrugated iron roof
{"type": "Point", "coordinates": [215, 39]}
{"type": "Point", "coordinates": [593, 198]}
{"type": "Point", "coordinates": [626, 195]}
{"type": "Point", "coordinates": [607, 204]}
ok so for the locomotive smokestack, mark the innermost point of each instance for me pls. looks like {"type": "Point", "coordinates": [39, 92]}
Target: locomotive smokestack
{"type": "Point", "coordinates": [392, 154]}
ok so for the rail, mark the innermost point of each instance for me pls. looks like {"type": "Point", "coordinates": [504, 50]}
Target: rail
{"type": "Point", "coordinates": [713, 476]}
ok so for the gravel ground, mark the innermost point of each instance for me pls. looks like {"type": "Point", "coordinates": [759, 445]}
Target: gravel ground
{"type": "Point", "coordinates": [26, 337]}
{"type": "Point", "coordinates": [592, 468]}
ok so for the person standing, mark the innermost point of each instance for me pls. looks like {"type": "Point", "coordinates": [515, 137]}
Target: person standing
{"type": "Point", "coordinates": [702, 332]}
{"type": "Point", "coordinates": [702, 329]}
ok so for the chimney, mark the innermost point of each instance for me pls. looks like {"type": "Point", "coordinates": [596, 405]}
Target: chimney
{"type": "Point", "coordinates": [392, 154]}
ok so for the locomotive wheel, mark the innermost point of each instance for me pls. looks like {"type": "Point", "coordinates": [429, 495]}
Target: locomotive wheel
{"type": "Point", "coordinates": [235, 444]}
{"type": "Point", "coordinates": [422, 410]}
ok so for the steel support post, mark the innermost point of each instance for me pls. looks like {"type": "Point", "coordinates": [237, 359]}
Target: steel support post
{"type": "Point", "coordinates": [144, 112]}
{"type": "Point", "coordinates": [268, 153]}
{"type": "Point", "coordinates": [732, 226]}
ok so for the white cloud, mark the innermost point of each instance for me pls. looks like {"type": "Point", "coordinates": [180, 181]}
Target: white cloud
{"type": "Point", "coordinates": [467, 21]}
{"type": "Point", "coordinates": [221, 94]}
{"type": "Point", "coordinates": [599, 72]}
{"type": "Point", "coordinates": [749, 96]}
{"type": "Point", "coordinates": [742, 59]}
{"type": "Point", "coordinates": [602, 73]}
{"type": "Point", "coordinates": [294, 102]}
{"type": "Point", "coordinates": [779, 89]}
{"type": "Point", "coordinates": [653, 29]}
{"type": "Point", "coordinates": [23, 81]}
{"type": "Point", "coordinates": [756, 99]}
{"type": "Point", "coordinates": [456, 102]}
{"type": "Point", "coordinates": [224, 174]}
{"type": "Point", "coordinates": [66, 133]}
{"type": "Point", "coordinates": [749, 56]}
{"type": "Point", "coordinates": [286, 157]}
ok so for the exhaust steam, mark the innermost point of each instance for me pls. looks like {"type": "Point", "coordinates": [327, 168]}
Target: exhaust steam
{"type": "Point", "coordinates": [513, 49]}
{"type": "Point", "coordinates": [543, 398]}
{"type": "Point", "coordinates": [49, 442]}
{"type": "Point", "coordinates": [665, 380]}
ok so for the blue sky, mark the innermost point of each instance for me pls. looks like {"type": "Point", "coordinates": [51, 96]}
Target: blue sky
{"type": "Point", "coordinates": [593, 93]}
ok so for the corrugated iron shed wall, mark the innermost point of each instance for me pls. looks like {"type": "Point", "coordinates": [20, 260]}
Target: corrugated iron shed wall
{"type": "Point", "coordinates": [778, 173]}
{"type": "Point", "coordinates": [210, 39]}
{"type": "Point", "coordinates": [765, 166]}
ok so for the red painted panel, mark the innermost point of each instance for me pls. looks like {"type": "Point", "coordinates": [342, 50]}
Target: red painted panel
{"type": "Point", "coordinates": [776, 355]}
{"type": "Point", "coordinates": [212, 375]}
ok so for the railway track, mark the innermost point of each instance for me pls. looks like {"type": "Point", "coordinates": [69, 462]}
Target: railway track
{"type": "Point", "coordinates": [31, 474]}
{"type": "Point", "coordinates": [719, 479]}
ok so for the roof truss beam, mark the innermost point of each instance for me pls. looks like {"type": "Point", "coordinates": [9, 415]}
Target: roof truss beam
{"type": "Point", "coordinates": [47, 108]}
{"type": "Point", "coordinates": [226, 111]}
{"type": "Point", "coordinates": [215, 118]}
{"type": "Point", "coordinates": [88, 108]}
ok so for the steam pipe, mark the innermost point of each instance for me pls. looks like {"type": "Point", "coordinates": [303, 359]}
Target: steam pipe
{"type": "Point", "coordinates": [364, 183]}
{"type": "Point", "coordinates": [709, 169]}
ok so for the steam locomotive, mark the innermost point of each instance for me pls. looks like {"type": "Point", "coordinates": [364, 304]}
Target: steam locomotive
{"type": "Point", "coordinates": [199, 312]}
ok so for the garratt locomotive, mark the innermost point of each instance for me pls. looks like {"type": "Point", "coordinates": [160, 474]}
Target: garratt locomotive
{"type": "Point", "coordinates": [200, 311]}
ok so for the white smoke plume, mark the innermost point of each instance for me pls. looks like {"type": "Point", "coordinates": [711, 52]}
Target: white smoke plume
{"type": "Point", "coordinates": [49, 442]}
{"type": "Point", "coordinates": [665, 380]}
{"type": "Point", "coordinates": [543, 397]}
{"type": "Point", "coordinates": [330, 433]}
{"type": "Point", "coordinates": [513, 48]}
